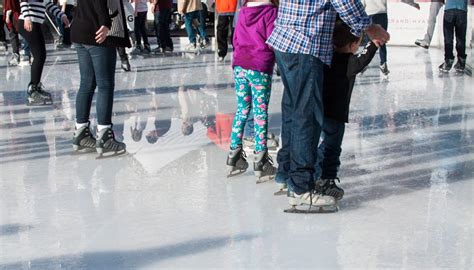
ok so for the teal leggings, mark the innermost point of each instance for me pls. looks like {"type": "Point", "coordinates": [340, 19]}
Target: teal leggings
{"type": "Point", "coordinates": [253, 89]}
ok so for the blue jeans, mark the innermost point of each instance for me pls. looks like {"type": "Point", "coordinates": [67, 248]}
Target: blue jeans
{"type": "Point", "coordinates": [188, 22]}
{"type": "Point", "coordinates": [162, 28]}
{"type": "Point", "coordinates": [381, 19]}
{"type": "Point", "coordinates": [330, 149]}
{"type": "Point", "coordinates": [97, 69]}
{"type": "Point", "coordinates": [302, 118]}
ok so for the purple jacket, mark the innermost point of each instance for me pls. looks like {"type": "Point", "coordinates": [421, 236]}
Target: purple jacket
{"type": "Point", "coordinates": [254, 26]}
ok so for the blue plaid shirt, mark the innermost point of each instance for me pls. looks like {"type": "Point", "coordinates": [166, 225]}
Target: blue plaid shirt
{"type": "Point", "coordinates": [306, 26]}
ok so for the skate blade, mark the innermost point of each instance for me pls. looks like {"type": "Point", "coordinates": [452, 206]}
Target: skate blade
{"type": "Point", "coordinates": [313, 210]}
{"type": "Point", "coordinates": [107, 155]}
{"type": "Point", "coordinates": [235, 173]}
{"type": "Point", "coordinates": [281, 192]}
{"type": "Point", "coordinates": [80, 151]}
{"type": "Point", "coordinates": [264, 179]}
{"type": "Point", "coordinates": [31, 104]}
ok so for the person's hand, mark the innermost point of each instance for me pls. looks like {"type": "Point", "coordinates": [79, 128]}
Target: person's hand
{"type": "Point", "coordinates": [65, 21]}
{"type": "Point", "coordinates": [101, 34]}
{"type": "Point", "coordinates": [28, 25]}
{"type": "Point", "coordinates": [7, 19]}
{"type": "Point", "coordinates": [377, 34]}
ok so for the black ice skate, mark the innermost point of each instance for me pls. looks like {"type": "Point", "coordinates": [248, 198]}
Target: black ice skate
{"type": "Point", "coordinates": [446, 66]}
{"type": "Point", "coordinates": [311, 203]}
{"type": "Point", "coordinates": [83, 141]}
{"type": "Point", "coordinates": [384, 69]}
{"type": "Point", "coordinates": [37, 96]}
{"type": "Point", "coordinates": [125, 64]}
{"type": "Point", "coordinates": [236, 162]}
{"type": "Point", "coordinates": [107, 146]}
{"type": "Point", "coordinates": [263, 167]}
{"type": "Point", "coordinates": [460, 65]}
{"type": "Point", "coordinates": [328, 187]}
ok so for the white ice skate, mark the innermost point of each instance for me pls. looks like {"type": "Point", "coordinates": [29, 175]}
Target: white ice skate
{"type": "Point", "coordinates": [311, 203]}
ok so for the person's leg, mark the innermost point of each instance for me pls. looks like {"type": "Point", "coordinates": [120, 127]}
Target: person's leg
{"type": "Point", "coordinates": [460, 29]}
{"type": "Point", "coordinates": [15, 41]}
{"type": "Point", "coordinates": [2, 32]}
{"type": "Point", "coordinates": [37, 46]}
{"type": "Point", "coordinates": [157, 25]}
{"type": "Point", "coordinates": [202, 24]}
{"type": "Point", "coordinates": [434, 10]}
{"type": "Point", "coordinates": [103, 63]}
{"type": "Point", "coordinates": [138, 33]}
{"type": "Point", "coordinates": [122, 53]}
{"type": "Point", "coordinates": [67, 31]}
{"type": "Point", "coordinates": [87, 84]}
{"type": "Point", "coordinates": [330, 148]}
{"type": "Point", "coordinates": [382, 20]}
{"type": "Point", "coordinates": [142, 16]}
{"type": "Point", "coordinates": [244, 98]}
{"type": "Point", "coordinates": [448, 30]}
{"type": "Point", "coordinates": [165, 29]}
{"type": "Point", "coordinates": [261, 89]}
{"type": "Point", "coordinates": [188, 22]}
{"type": "Point", "coordinates": [222, 35]}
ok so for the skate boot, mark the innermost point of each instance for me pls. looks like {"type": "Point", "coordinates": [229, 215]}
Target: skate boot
{"type": "Point", "coordinates": [460, 65]}
{"type": "Point", "coordinates": [446, 66]}
{"type": "Point", "coordinates": [191, 47]}
{"type": "Point", "coordinates": [37, 96]}
{"type": "Point", "coordinates": [146, 49]}
{"type": "Point", "coordinates": [125, 64]}
{"type": "Point", "coordinates": [236, 162]}
{"type": "Point", "coordinates": [317, 203]}
{"type": "Point", "coordinates": [15, 60]}
{"type": "Point", "coordinates": [263, 167]}
{"type": "Point", "coordinates": [106, 144]}
{"type": "Point", "coordinates": [422, 43]}
{"type": "Point", "coordinates": [137, 50]}
{"type": "Point", "coordinates": [83, 141]}
{"type": "Point", "coordinates": [328, 187]}
{"type": "Point", "coordinates": [384, 69]}
{"type": "Point", "coordinates": [272, 143]}
{"type": "Point", "coordinates": [3, 48]}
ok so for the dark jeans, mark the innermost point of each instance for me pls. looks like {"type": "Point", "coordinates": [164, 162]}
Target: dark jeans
{"type": "Point", "coordinates": [223, 23]}
{"type": "Point", "coordinates": [302, 118]}
{"type": "Point", "coordinates": [140, 28]}
{"type": "Point", "coordinates": [330, 149]}
{"type": "Point", "coordinates": [97, 69]}
{"type": "Point", "coordinates": [37, 47]}
{"type": "Point", "coordinates": [3, 38]}
{"type": "Point", "coordinates": [455, 20]}
{"type": "Point", "coordinates": [381, 19]}
{"type": "Point", "coordinates": [162, 28]}
{"type": "Point", "coordinates": [188, 22]}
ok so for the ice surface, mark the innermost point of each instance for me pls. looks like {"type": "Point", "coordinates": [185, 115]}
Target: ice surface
{"type": "Point", "coordinates": [407, 169]}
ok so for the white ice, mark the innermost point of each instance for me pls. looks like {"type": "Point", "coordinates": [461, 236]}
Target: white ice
{"type": "Point", "coordinates": [407, 168]}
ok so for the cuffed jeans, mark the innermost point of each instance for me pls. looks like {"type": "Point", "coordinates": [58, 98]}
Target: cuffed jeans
{"type": "Point", "coordinates": [97, 69]}
{"type": "Point", "coordinates": [302, 118]}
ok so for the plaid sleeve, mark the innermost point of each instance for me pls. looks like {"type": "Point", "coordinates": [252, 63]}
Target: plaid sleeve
{"type": "Point", "coordinates": [352, 12]}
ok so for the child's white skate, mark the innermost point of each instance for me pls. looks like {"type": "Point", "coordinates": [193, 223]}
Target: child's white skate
{"type": "Point", "coordinates": [311, 203]}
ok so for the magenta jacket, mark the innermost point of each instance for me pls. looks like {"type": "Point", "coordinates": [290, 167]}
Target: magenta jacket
{"type": "Point", "coordinates": [254, 26]}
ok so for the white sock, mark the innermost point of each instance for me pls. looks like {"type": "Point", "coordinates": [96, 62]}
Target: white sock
{"type": "Point", "coordinates": [78, 126]}
{"type": "Point", "coordinates": [102, 127]}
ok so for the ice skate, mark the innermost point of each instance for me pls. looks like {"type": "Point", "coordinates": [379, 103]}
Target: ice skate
{"type": "Point", "coordinates": [191, 48]}
{"type": "Point", "coordinates": [311, 203]}
{"type": "Point", "coordinates": [83, 141]}
{"type": "Point", "coordinates": [236, 162]}
{"type": "Point", "coordinates": [146, 49]}
{"type": "Point", "coordinates": [328, 187]}
{"type": "Point", "coordinates": [272, 143]}
{"type": "Point", "coordinates": [384, 69]}
{"type": "Point", "coordinates": [37, 96]}
{"type": "Point", "coordinates": [221, 59]}
{"type": "Point", "coordinates": [263, 167]}
{"type": "Point", "coordinates": [422, 43]}
{"type": "Point", "coordinates": [460, 65]}
{"type": "Point", "coordinates": [282, 189]}
{"type": "Point", "coordinates": [107, 146]}
{"type": "Point", "coordinates": [3, 48]}
{"type": "Point", "coordinates": [14, 60]}
{"type": "Point", "coordinates": [125, 64]}
{"type": "Point", "coordinates": [446, 66]}
{"type": "Point", "coordinates": [137, 50]}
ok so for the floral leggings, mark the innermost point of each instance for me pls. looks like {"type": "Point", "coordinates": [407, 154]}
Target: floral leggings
{"type": "Point", "coordinates": [253, 90]}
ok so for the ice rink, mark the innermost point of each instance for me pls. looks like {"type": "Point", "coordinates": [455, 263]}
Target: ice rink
{"type": "Point", "coordinates": [407, 169]}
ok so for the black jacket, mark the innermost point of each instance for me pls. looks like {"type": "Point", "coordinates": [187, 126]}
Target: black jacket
{"type": "Point", "coordinates": [339, 81]}
{"type": "Point", "coordinates": [92, 14]}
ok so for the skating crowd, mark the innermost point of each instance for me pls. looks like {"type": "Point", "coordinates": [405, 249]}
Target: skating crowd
{"type": "Point", "coordinates": [313, 45]}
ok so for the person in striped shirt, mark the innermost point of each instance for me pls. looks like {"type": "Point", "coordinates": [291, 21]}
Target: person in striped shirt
{"type": "Point", "coordinates": [302, 40]}
{"type": "Point", "coordinates": [32, 16]}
